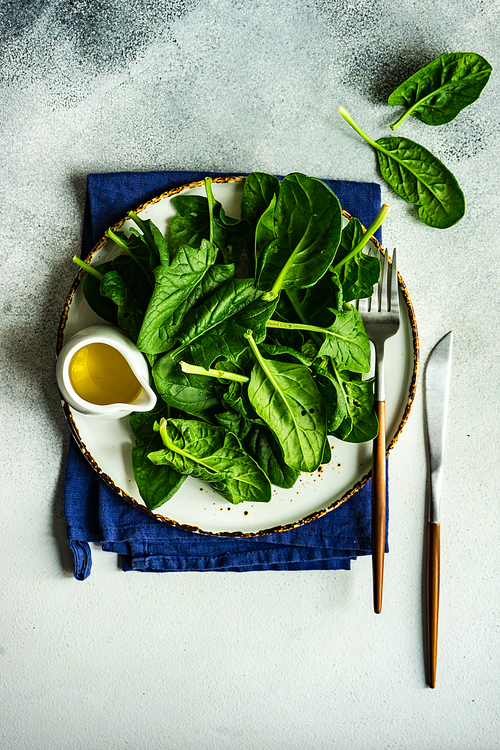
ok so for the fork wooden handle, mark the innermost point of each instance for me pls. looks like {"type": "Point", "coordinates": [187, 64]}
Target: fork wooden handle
{"type": "Point", "coordinates": [433, 572]}
{"type": "Point", "coordinates": [378, 508]}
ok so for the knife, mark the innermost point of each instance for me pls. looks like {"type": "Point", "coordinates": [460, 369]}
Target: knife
{"type": "Point", "coordinates": [437, 389]}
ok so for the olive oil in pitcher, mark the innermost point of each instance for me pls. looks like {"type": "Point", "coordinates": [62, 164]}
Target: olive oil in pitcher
{"type": "Point", "coordinates": [100, 374]}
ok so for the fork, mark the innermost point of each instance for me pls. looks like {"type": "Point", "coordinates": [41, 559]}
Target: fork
{"type": "Point", "coordinates": [380, 315]}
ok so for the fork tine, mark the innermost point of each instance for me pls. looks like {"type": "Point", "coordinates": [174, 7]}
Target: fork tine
{"type": "Point", "coordinates": [383, 282]}
{"type": "Point", "coordinates": [394, 287]}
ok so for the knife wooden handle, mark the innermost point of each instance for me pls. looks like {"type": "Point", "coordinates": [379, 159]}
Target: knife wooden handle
{"type": "Point", "coordinates": [433, 575]}
{"type": "Point", "coordinates": [378, 508]}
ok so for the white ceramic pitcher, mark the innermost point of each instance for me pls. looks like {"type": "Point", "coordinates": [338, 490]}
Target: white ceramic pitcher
{"type": "Point", "coordinates": [145, 400]}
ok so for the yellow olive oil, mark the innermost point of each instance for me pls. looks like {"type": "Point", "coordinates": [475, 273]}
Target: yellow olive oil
{"type": "Point", "coordinates": [100, 374]}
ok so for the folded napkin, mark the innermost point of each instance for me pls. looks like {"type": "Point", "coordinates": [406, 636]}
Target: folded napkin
{"type": "Point", "coordinates": [95, 513]}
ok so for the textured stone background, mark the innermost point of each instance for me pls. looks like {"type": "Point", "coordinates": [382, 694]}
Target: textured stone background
{"type": "Point", "coordinates": [268, 660]}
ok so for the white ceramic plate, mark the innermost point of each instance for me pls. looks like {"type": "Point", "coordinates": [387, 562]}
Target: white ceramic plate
{"type": "Point", "coordinates": [107, 444]}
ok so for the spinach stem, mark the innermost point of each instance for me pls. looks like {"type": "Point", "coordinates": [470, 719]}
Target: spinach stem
{"type": "Point", "coordinates": [88, 268]}
{"type": "Point", "coordinates": [211, 203]}
{"type": "Point", "coordinates": [381, 217]}
{"type": "Point", "coordinates": [212, 372]}
{"type": "Point", "coordinates": [132, 215]}
{"type": "Point", "coordinates": [401, 119]}
{"type": "Point", "coordinates": [253, 346]}
{"type": "Point", "coordinates": [358, 130]}
{"type": "Point", "coordinates": [291, 296]}
{"type": "Point", "coordinates": [175, 448]}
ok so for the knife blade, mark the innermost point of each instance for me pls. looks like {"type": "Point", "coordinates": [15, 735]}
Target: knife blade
{"type": "Point", "coordinates": [437, 391]}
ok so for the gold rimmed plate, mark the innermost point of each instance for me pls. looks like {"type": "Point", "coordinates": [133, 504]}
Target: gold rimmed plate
{"type": "Point", "coordinates": [107, 444]}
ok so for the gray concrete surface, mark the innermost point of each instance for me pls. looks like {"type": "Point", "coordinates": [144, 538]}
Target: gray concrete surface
{"type": "Point", "coordinates": [267, 660]}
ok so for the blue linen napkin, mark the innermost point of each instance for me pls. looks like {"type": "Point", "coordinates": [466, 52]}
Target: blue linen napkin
{"type": "Point", "coordinates": [95, 513]}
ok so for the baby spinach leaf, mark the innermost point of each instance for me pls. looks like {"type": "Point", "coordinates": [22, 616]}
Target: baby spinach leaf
{"type": "Point", "coordinates": [229, 234]}
{"type": "Point", "coordinates": [346, 342]}
{"type": "Point", "coordinates": [418, 177]}
{"type": "Point", "coordinates": [358, 274]}
{"type": "Point", "coordinates": [129, 316]}
{"type": "Point", "coordinates": [308, 225]}
{"type": "Point", "coordinates": [214, 278]}
{"type": "Point", "coordinates": [151, 235]}
{"type": "Point", "coordinates": [135, 246]}
{"type": "Point", "coordinates": [333, 396]}
{"type": "Point", "coordinates": [361, 423]}
{"type": "Point", "coordinates": [259, 190]}
{"type": "Point", "coordinates": [266, 243]}
{"type": "Point", "coordinates": [192, 225]}
{"type": "Point", "coordinates": [193, 394]}
{"type": "Point", "coordinates": [265, 450]}
{"type": "Point", "coordinates": [156, 483]}
{"type": "Point", "coordinates": [216, 326]}
{"type": "Point", "coordinates": [437, 93]}
{"type": "Point", "coordinates": [91, 288]}
{"type": "Point", "coordinates": [214, 455]}
{"type": "Point", "coordinates": [285, 396]}
{"type": "Point", "coordinates": [174, 283]}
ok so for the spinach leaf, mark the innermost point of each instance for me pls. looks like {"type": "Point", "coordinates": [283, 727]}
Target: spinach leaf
{"type": "Point", "coordinates": [214, 278]}
{"type": "Point", "coordinates": [214, 455]}
{"type": "Point", "coordinates": [156, 483]}
{"type": "Point", "coordinates": [361, 423]}
{"type": "Point", "coordinates": [135, 246]}
{"type": "Point", "coordinates": [308, 226]}
{"type": "Point", "coordinates": [358, 273]}
{"type": "Point", "coordinates": [129, 316]}
{"type": "Point", "coordinates": [151, 235]}
{"type": "Point", "coordinates": [229, 234]}
{"type": "Point", "coordinates": [91, 288]}
{"type": "Point", "coordinates": [346, 342]}
{"type": "Point", "coordinates": [217, 325]}
{"type": "Point", "coordinates": [285, 396]}
{"type": "Point", "coordinates": [174, 283]}
{"type": "Point", "coordinates": [192, 225]}
{"type": "Point", "coordinates": [418, 177]}
{"type": "Point", "coordinates": [259, 190]}
{"type": "Point", "coordinates": [265, 450]}
{"type": "Point", "coordinates": [333, 396]}
{"type": "Point", "coordinates": [193, 394]}
{"type": "Point", "coordinates": [437, 93]}
{"type": "Point", "coordinates": [266, 243]}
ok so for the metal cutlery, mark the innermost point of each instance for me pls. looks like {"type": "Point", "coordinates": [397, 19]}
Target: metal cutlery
{"type": "Point", "coordinates": [380, 315]}
{"type": "Point", "coordinates": [437, 387]}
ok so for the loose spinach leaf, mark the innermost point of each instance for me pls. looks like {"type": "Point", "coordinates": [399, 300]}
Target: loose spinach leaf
{"type": "Point", "coordinates": [156, 483]}
{"type": "Point", "coordinates": [194, 394]}
{"type": "Point", "coordinates": [308, 225]}
{"type": "Point", "coordinates": [174, 283]}
{"type": "Point", "coordinates": [214, 455]}
{"type": "Point", "coordinates": [357, 275]}
{"type": "Point", "coordinates": [418, 177]}
{"type": "Point", "coordinates": [285, 396]}
{"type": "Point", "coordinates": [437, 93]}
